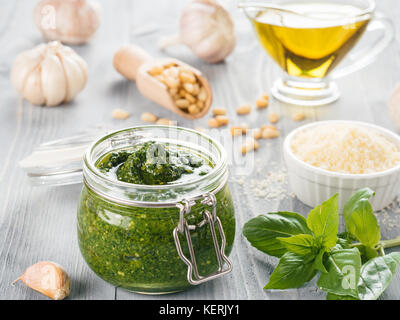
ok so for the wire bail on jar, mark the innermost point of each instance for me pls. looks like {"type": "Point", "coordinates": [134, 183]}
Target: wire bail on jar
{"type": "Point", "coordinates": [183, 227]}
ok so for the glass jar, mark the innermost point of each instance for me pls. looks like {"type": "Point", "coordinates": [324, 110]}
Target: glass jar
{"type": "Point", "coordinates": [156, 239]}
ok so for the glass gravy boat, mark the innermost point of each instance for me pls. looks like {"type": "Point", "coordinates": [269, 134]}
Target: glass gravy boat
{"type": "Point", "coordinates": [309, 38]}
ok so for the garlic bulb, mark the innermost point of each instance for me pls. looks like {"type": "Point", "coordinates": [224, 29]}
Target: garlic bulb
{"type": "Point", "coordinates": [49, 74]}
{"type": "Point", "coordinates": [48, 278]}
{"type": "Point", "coordinates": [70, 21]}
{"type": "Point", "coordinates": [207, 29]}
{"type": "Point", "coordinates": [394, 106]}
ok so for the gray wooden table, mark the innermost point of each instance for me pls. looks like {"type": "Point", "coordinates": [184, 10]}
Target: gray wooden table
{"type": "Point", "coordinates": [39, 223]}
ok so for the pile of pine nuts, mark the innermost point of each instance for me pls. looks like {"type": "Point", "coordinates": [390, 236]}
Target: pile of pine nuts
{"type": "Point", "coordinates": [183, 85]}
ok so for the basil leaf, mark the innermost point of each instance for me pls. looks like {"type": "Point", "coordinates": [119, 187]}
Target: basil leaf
{"type": "Point", "coordinates": [302, 244]}
{"type": "Point", "coordinates": [360, 219]}
{"type": "Point", "coordinates": [323, 221]}
{"type": "Point", "coordinates": [367, 253]}
{"type": "Point", "coordinates": [331, 296]}
{"type": "Point", "coordinates": [343, 273]}
{"type": "Point", "coordinates": [292, 271]}
{"type": "Point", "coordinates": [319, 262]}
{"type": "Point", "coordinates": [262, 232]}
{"type": "Point", "coordinates": [376, 275]}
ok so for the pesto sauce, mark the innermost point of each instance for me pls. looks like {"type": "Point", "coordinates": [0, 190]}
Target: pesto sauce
{"type": "Point", "coordinates": [153, 163]}
{"type": "Point", "coordinates": [133, 247]}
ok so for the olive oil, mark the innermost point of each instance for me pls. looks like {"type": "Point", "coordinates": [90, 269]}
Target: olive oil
{"type": "Point", "coordinates": [309, 39]}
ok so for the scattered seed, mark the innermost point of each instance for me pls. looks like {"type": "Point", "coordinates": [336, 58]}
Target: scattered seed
{"type": "Point", "coordinates": [249, 145]}
{"type": "Point", "coordinates": [222, 120]}
{"type": "Point", "coordinates": [148, 117]}
{"type": "Point", "coordinates": [273, 117]}
{"type": "Point", "coordinates": [213, 123]}
{"type": "Point", "coordinates": [219, 111]}
{"type": "Point", "coordinates": [262, 103]}
{"type": "Point", "coordinates": [257, 134]}
{"type": "Point", "coordinates": [270, 133]}
{"type": "Point", "coordinates": [165, 122]}
{"type": "Point", "coordinates": [238, 130]}
{"type": "Point", "coordinates": [243, 109]}
{"type": "Point", "coordinates": [268, 126]}
{"type": "Point", "coordinates": [298, 116]}
{"type": "Point", "coordinates": [120, 114]}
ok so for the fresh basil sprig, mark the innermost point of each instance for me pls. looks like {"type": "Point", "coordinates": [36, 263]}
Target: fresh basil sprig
{"type": "Point", "coordinates": [307, 247]}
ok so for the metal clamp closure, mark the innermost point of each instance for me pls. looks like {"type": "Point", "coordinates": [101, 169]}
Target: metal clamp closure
{"type": "Point", "coordinates": [183, 227]}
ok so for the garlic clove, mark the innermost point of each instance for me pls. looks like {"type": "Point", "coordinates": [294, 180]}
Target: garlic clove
{"type": "Point", "coordinates": [33, 88]}
{"type": "Point", "coordinates": [74, 77]}
{"type": "Point", "coordinates": [24, 64]}
{"type": "Point", "coordinates": [53, 81]}
{"type": "Point", "coordinates": [68, 52]}
{"type": "Point", "coordinates": [48, 278]}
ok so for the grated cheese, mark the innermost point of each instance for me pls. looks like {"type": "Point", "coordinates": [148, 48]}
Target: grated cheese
{"type": "Point", "coordinates": [345, 148]}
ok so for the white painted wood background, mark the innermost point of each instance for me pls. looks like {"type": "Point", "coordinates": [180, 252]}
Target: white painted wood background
{"type": "Point", "coordinates": [38, 223]}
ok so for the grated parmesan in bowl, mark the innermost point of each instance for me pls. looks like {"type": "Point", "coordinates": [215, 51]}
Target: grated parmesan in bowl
{"type": "Point", "coordinates": [328, 157]}
{"type": "Point", "coordinates": [345, 148]}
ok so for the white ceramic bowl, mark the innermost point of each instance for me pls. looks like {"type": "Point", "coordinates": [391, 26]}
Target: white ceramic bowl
{"type": "Point", "coordinates": [313, 185]}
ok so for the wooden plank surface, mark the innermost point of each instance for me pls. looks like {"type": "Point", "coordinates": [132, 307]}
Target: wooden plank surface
{"type": "Point", "coordinates": [40, 223]}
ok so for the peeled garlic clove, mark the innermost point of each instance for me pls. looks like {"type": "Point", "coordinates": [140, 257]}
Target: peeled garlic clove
{"type": "Point", "coordinates": [49, 74]}
{"type": "Point", "coordinates": [394, 106]}
{"type": "Point", "coordinates": [71, 22]}
{"type": "Point", "coordinates": [48, 278]}
{"type": "Point", "coordinates": [207, 29]}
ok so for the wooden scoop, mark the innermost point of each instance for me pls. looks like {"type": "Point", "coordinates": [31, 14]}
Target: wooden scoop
{"type": "Point", "coordinates": [134, 63]}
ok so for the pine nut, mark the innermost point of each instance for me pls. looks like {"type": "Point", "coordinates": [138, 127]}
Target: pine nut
{"type": "Point", "coordinates": [202, 96]}
{"type": "Point", "coordinates": [120, 114]}
{"type": "Point", "coordinates": [298, 116]}
{"type": "Point", "coordinates": [273, 117]}
{"type": "Point", "coordinates": [185, 76]}
{"type": "Point", "coordinates": [213, 123]}
{"type": "Point", "coordinates": [171, 82]}
{"type": "Point", "coordinates": [148, 117]}
{"type": "Point", "coordinates": [243, 109]}
{"type": "Point", "coordinates": [249, 145]}
{"type": "Point", "coordinates": [166, 122]}
{"type": "Point", "coordinates": [222, 120]}
{"type": "Point", "coordinates": [188, 87]}
{"type": "Point", "coordinates": [193, 109]}
{"type": "Point", "coordinates": [219, 111]}
{"type": "Point", "coordinates": [156, 70]}
{"type": "Point", "coordinates": [270, 133]}
{"type": "Point", "coordinates": [262, 103]}
{"type": "Point", "coordinates": [238, 130]}
{"type": "Point", "coordinates": [182, 103]}
{"type": "Point", "coordinates": [190, 98]}
{"type": "Point", "coordinates": [257, 134]}
{"type": "Point", "coordinates": [268, 126]}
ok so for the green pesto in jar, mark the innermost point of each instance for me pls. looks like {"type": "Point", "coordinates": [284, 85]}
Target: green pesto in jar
{"type": "Point", "coordinates": [133, 247]}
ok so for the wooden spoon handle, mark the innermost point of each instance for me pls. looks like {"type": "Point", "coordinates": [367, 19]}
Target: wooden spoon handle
{"type": "Point", "coordinates": [128, 59]}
